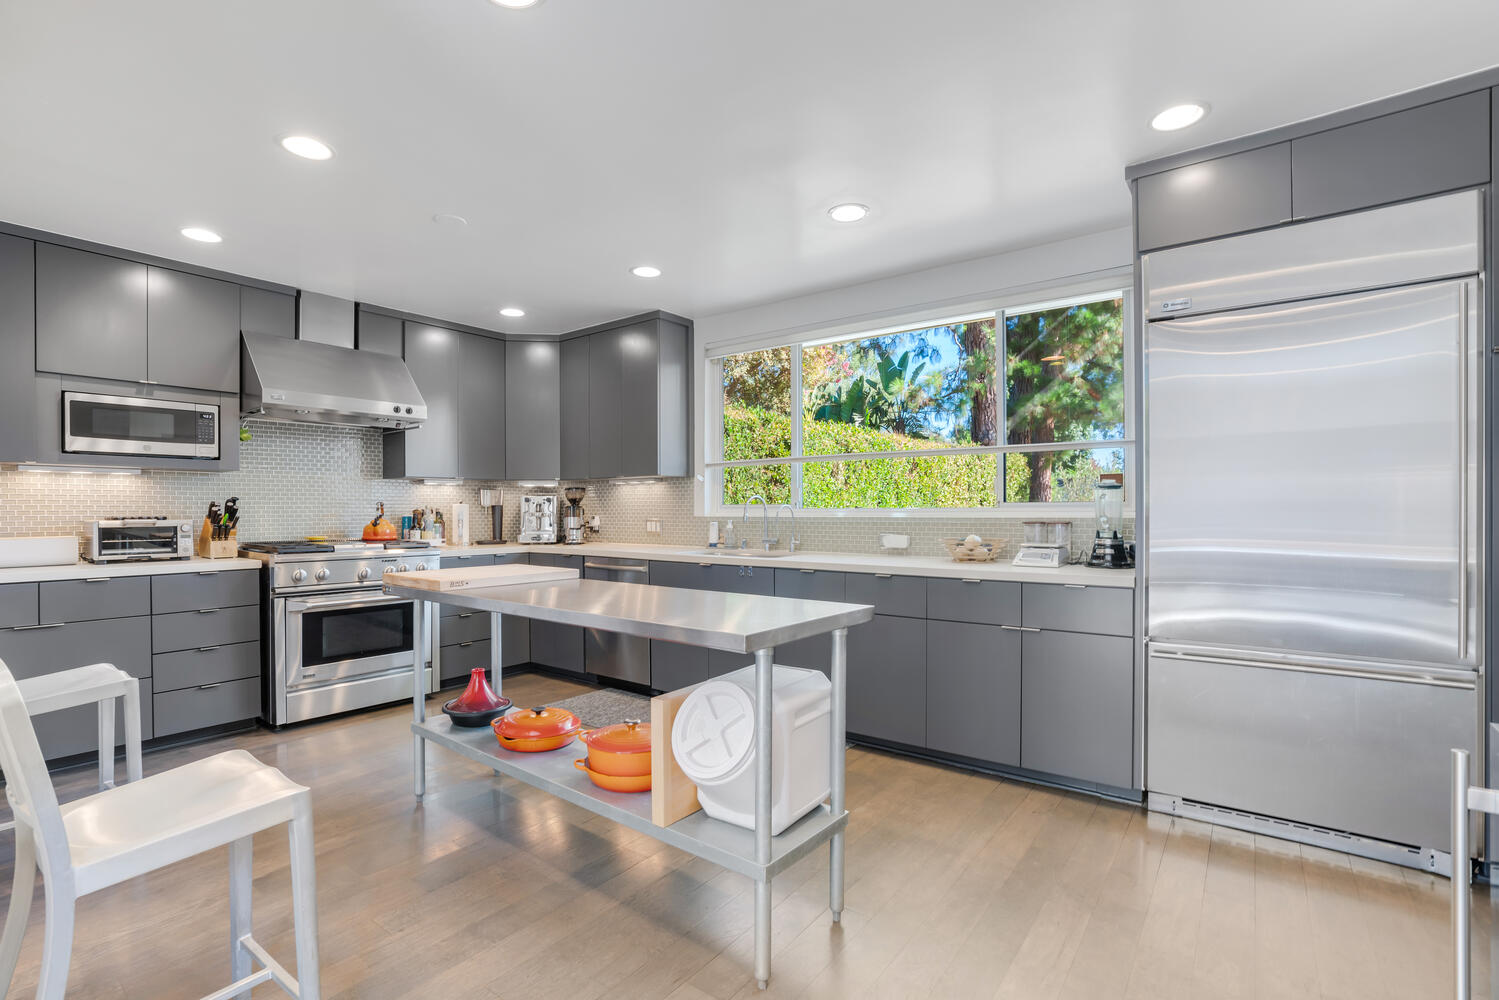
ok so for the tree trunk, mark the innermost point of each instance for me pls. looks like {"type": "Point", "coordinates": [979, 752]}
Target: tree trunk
{"type": "Point", "coordinates": [1040, 432]}
{"type": "Point", "coordinates": [984, 414]}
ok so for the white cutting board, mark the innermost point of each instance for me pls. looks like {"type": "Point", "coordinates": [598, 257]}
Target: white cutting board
{"type": "Point", "coordinates": [467, 578]}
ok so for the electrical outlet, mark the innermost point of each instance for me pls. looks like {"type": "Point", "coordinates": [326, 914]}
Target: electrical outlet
{"type": "Point", "coordinates": [652, 526]}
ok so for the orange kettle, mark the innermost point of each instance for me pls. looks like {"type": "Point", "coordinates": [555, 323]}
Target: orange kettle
{"type": "Point", "coordinates": [380, 529]}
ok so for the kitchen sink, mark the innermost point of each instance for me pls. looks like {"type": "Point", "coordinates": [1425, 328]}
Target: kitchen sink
{"type": "Point", "coordinates": [743, 553]}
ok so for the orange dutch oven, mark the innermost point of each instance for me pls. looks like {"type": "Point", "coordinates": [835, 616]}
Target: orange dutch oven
{"type": "Point", "coordinates": [536, 729]}
{"type": "Point", "coordinates": [622, 751]}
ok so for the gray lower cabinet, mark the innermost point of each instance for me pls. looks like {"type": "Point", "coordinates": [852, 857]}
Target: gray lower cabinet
{"type": "Point", "coordinates": [721, 662]}
{"type": "Point", "coordinates": [481, 407]}
{"type": "Point", "coordinates": [460, 659]}
{"type": "Point", "coordinates": [746, 579]}
{"type": "Point", "coordinates": [1218, 197]}
{"type": "Point", "coordinates": [75, 731]}
{"type": "Point", "coordinates": [208, 589]}
{"type": "Point", "coordinates": [264, 311]}
{"type": "Point", "coordinates": [205, 665]}
{"type": "Point", "coordinates": [887, 679]}
{"type": "Point", "coordinates": [674, 665]}
{"type": "Point", "coordinates": [888, 593]}
{"type": "Point", "coordinates": [815, 653]}
{"type": "Point", "coordinates": [30, 651]}
{"type": "Point", "coordinates": [207, 627]}
{"type": "Point", "coordinates": [1078, 703]}
{"type": "Point", "coordinates": [682, 575]}
{"type": "Point", "coordinates": [533, 436]}
{"type": "Point", "coordinates": [192, 331]}
{"type": "Point", "coordinates": [207, 705]}
{"type": "Point", "coordinates": [100, 597]}
{"type": "Point", "coordinates": [18, 605]}
{"type": "Point", "coordinates": [1075, 608]}
{"type": "Point", "coordinates": [573, 420]}
{"type": "Point", "coordinates": [431, 450]}
{"type": "Point", "coordinates": [557, 646]}
{"type": "Point", "coordinates": [973, 691]}
{"type": "Point", "coordinates": [985, 602]}
{"type": "Point", "coordinates": [18, 419]}
{"type": "Point", "coordinates": [1437, 147]}
{"type": "Point", "coordinates": [91, 314]}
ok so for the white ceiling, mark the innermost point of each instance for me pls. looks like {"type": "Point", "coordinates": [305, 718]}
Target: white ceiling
{"type": "Point", "coordinates": [707, 137]}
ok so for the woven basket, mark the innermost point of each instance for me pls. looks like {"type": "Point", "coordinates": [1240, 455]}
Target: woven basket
{"type": "Point", "coordinates": [983, 552]}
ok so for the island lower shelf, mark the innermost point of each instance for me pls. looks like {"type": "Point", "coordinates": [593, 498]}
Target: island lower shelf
{"type": "Point", "coordinates": [724, 844]}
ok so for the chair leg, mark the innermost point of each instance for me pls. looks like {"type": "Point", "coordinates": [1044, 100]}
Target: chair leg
{"type": "Point", "coordinates": [241, 876]}
{"type": "Point", "coordinates": [304, 901]}
{"type": "Point", "coordinates": [106, 709]}
{"type": "Point", "coordinates": [133, 730]}
{"type": "Point", "coordinates": [20, 905]}
{"type": "Point", "coordinates": [57, 945]}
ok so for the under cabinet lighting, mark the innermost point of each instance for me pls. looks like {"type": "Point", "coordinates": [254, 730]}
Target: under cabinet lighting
{"type": "Point", "coordinates": [515, 4]}
{"type": "Point", "coordinates": [74, 470]}
{"type": "Point", "coordinates": [552, 485]}
{"type": "Point", "coordinates": [307, 147]}
{"type": "Point", "coordinates": [442, 482]}
{"type": "Point", "coordinates": [1178, 116]}
{"type": "Point", "coordinates": [201, 235]}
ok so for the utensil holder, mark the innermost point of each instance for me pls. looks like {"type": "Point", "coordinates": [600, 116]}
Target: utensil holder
{"type": "Point", "coordinates": [209, 547]}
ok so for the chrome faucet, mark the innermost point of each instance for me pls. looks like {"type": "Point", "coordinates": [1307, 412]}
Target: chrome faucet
{"type": "Point", "coordinates": [765, 540]}
{"type": "Point", "coordinates": [795, 541]}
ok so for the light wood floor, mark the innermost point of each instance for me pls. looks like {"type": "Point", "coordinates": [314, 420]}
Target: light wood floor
{"type": "Point", "coordinates": [959, 885]}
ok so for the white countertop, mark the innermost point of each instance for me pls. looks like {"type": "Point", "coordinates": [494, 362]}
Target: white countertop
{"type": "Point", "coordinates": [850, 562]}
{"type": "Point", "coordinates": [82, 570]}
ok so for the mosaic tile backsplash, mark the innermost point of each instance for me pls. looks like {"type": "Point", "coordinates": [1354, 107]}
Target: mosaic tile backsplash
{"type": "Point", "coordinates": [306, 479]}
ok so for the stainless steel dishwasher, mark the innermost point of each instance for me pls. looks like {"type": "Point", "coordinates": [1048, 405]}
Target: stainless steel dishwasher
{"type": "Point", "coordinates": [609, 654]}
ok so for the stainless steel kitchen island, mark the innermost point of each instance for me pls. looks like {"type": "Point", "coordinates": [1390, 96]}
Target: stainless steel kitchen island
{"type": "Point", "coordinates": [737, 623]}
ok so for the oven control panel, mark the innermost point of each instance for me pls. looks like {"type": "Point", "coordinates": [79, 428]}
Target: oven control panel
{"type": "Point", "coordinates": [317, 571]}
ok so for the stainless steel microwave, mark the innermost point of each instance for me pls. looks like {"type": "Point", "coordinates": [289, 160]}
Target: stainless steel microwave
{"type": "Point", "coordinates": [96, 424]}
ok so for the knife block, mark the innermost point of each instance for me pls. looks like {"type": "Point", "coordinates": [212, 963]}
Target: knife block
{"type": "Point", "coordinates": [209, 547]}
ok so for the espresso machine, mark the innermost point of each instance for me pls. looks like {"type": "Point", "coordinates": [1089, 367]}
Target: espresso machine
{"type": "Point", "coordinates": [538, 519]}
{"type": "Point", "coordinates": [574, 526]}
{"type": "Point", "coordinates": [1109, 547]}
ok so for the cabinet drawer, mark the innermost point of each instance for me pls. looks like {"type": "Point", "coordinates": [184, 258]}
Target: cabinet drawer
{"type": "Point", "coordinates": [207, 665]}
{"type": "Point", "coordinates": [984, 602]}
{"type": "Point", "coordinates": [466, 626]}
{"type": "Point", "coordinates": [34, 650]}
{"type": "Point", "coordinates": [87, 600]}
{"type": "Point", "coordinates": [891, 595]}
{"type": "Point", "coordinates": [1229, 194]}
{"type": "Point", "coordinates": [208, 589]}
{"type": "Point", "coordinates": [211, 705]}
{"type": "Point", "coordinates": [1079, 706]}
{"type": "Point", "coordinates": [75, 731]}
{"type": "Point", "coordinates": [460, 659]}
{"type": "Point", "coordinates": [973, 691]}
{"type": "Point", "coordinates": [810, 584]}
{"type": "Point", "coordinates": [18, 604]}
{"type": "Point", "coordinates": [1437, 147]}
{"type": "Point", "coordinates": [1104, 610]}
{"type": "Point", "coordinates": [683, 575]}
{"type": "Point", "coordinates": [215, 627]}
{"type": "Point", "coordinates": [466, 562]}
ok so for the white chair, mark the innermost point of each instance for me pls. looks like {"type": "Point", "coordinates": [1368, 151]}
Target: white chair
{"type": "Point", "coordinates": [99, 683]}
{"type": "Point", "coordinates": [106, 838]}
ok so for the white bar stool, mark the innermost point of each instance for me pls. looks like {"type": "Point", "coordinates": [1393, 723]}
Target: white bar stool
{"type": "Point", "coordinates": [118, 834]}
{"type": "Point", "coordinates": [101, 683]}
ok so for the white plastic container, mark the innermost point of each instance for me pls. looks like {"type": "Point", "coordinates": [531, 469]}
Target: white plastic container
{"type": "Point", "coordinates": [713, 739]}
{"type": "Point", "coordinates": [50, 550]}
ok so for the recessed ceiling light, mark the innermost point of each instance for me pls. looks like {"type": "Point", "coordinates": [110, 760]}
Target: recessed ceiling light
{"type": "Point", "coordinates": [512, 312]}
{"type": "Point", "coordinates": [646, 271]}
{"type": "Point", "coordinates": [1178, 116]}
{"type": "Point", "coordinates": [515, 4]}
{"type": "Point", "coordinates": [449, 220]}
{"type": "Point", "coordinates": [307, 147]}
{"type": "Point", "coordinates": [848, 212]}
{"type": "Point", "coordinates": [201, 235]}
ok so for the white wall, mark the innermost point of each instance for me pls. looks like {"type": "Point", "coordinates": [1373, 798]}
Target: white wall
{"type": "Point", "coordinates": [1012, 276]}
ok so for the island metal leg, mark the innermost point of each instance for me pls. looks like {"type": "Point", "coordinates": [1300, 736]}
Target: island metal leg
{"type": "Point", "coordinates": [838, 749]}
{"type": "Point", "coordinates": [495, 651]}
{"type": "Point", "coordinates": [419, 696]}
{"type": "Point", "coordinates": [764, 659]}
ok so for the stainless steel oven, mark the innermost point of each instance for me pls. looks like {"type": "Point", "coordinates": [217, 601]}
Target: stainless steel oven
{"type": "Point", "coordinates": [98, 424]}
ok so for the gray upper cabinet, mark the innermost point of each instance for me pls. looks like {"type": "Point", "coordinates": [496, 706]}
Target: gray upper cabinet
{"type": "Point", "coordinates": [481, 407]}
{"type": "Point", "coordinates": [376, 332]}
{"type": "Point", "coordinates": [605, 435]}
{"type": "Point", "coordinates": [431, 450]}
{"type": "Point", "coordinates": [268, 312]}
{"type": "Point", "coordinates": [18, 423]}
{"type": "Point", "coordinates": [574, 416]}
{"type": "Point", "coordinates": [533, 437]}
{"type": "Point", "coordinates": [1218, 197]}
{"type": "Point", "coordinates": [192, 331]}
{"type": "Point", "coordinates": [90, 314]}
{"type": "Point", "coordinates": [653, 399]}
{"type": "Point", "coordinates": [1424, 150]}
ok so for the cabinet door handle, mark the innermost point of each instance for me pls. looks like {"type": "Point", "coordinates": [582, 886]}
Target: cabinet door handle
{"type": "Point", "coordinates": [1075, 586]}
{"type": "Point", "coordinates": [469, 643]}
{"type": "Point", "coordinates": [705, 565]}
{"type": "Point", "coordinates": [971, 580]}
{"type": "Point", "coordinates": [208, 611]}
{"type": "Point", "coordinates": [209, 687]}
{"type": "Point", "coordinates": [96, 579]}
{"type": "Point", "coordinates": [208, 572]}
{"type": "Point", "coordinates": [883, 576]}
{"type": "Point", "coordinates": [466, 614]}
{"type": "Point", "coordinates": [806, 571]}
{"type": "Point", "coordinates": [31, 628]}
{"type": "Point", "coordinates": [1019, 628]}
{"type": "Point", "coordinates": [207, 649]}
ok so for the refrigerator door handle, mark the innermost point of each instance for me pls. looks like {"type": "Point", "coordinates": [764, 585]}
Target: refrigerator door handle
{"type": "Point", "coordinates": [1445, 677]}
{"type": "Point", "coordinates": [1462, 471]}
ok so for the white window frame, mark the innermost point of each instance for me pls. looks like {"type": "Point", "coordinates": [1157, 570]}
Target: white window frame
{"type": "Point", "coordinates": [1118, 286]}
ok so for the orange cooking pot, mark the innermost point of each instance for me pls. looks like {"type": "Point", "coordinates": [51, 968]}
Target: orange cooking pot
{"type": "Point", "coordinates": [622, 751]}
{"type": "Point", "coordinates": [536, 729]}
{"type": "Point", "coordinates": [614, 782]}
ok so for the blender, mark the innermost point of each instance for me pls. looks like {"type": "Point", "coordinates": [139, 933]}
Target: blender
{"type": "Point", "coordinates": [1109, 549]}
{"type": "Point", "coordinates": [572, 521]}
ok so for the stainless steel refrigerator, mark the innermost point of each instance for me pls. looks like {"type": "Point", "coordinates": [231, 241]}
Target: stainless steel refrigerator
{"type": "Point", "coordinates": [1313, 452]}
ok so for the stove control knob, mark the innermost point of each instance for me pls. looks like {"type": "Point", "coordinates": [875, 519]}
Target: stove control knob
{"type": "Point", "coordinates": [420, 567]}
{"type": "Point", "coordinates": [322, 575]}
{"type": "Point", "coordinates": [364, 574]}
{"type": "Point", "coordinates": [388, 569]}
{"type": "Point", "coordinates": [299, 576]}
{"type": "Point", "coordinates": [401, 568]}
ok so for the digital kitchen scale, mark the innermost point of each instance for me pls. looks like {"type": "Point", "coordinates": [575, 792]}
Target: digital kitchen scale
{"type": "Point", "coordinates": [1034, 554]}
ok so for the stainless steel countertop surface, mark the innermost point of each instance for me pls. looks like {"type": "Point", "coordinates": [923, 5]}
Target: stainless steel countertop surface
{"type": "Point", "coordinates": [737, 623]}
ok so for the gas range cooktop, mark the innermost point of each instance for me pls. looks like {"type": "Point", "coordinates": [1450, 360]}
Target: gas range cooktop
{"type": "Point", "coordinates": [347, 548]}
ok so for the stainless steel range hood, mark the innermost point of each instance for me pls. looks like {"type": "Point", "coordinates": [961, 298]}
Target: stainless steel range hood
{"type": "Point", "coordinates": [313, 383]}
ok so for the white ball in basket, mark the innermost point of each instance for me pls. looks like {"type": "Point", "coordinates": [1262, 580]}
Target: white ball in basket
{"type": "Point", "coordinates": [972, 542]}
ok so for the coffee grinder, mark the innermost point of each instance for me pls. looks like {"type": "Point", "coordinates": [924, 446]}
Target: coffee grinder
{"type": "Point", "coordinates": [1109, 548]}
{"type": "Point", "coordinates": [573, 523]}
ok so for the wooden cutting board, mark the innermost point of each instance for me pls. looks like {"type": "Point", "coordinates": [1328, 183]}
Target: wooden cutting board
{"type": "Point", "coordinates": [673, 795]}
{"type": "Point", "coordinates": [467, 578]}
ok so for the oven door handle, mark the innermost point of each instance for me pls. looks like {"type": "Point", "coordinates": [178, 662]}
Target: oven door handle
{"type": "Point", "coordinates": [344, 603]}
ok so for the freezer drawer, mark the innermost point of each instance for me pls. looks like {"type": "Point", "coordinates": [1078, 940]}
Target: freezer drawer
{"type": "Point", "coordinates": [1360, 754]}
